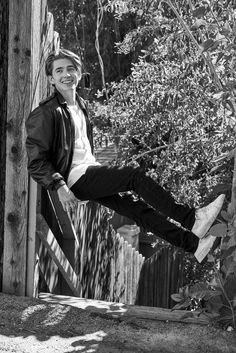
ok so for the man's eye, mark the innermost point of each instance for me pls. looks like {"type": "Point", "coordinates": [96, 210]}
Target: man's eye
{"type": "Point", "coordinates": [71, 69]}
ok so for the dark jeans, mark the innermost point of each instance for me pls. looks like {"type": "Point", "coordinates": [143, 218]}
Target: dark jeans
{"type": "Point", "coordinates": [103, 184]}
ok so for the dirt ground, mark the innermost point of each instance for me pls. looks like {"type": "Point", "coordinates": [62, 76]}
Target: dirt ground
{"type": "Point", "coordinates": [33, 326]}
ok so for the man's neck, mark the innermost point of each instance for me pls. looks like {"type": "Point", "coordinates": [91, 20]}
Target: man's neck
{"type": "Point", "coordinates": [70, 97]}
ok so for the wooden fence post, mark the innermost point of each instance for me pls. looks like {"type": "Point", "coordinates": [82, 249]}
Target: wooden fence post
{"type": "Point", "coordinates": [16, 190]}
{"type": "Point", "coordinates": [28, 44]}
{"type": "Point", "coordinates": [4, 15]}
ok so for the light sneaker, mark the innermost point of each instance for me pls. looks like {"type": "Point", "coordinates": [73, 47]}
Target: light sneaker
{"type": "Point", "coordinates": [206, 216]}
{"type": "Point", "coordinates": [204, 247]}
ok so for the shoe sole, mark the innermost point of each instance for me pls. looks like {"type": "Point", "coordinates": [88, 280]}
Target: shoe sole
{"type": "Point", "coordinates": [208, 226]}
{"type": "Point", "coordinates": [205, 251]}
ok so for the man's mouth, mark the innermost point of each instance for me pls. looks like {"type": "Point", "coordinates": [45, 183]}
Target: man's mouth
{"type": "Point", "coordinates": [68, 81]}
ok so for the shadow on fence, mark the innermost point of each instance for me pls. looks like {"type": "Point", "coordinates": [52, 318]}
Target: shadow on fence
{"type": "Point", "coordinates": [161, 276]}
{"type": "Point", "coordinates": [108, 267]}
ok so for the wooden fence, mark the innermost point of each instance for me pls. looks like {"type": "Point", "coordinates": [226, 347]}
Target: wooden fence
{"type": "Point", "coordinates": [161, 276]}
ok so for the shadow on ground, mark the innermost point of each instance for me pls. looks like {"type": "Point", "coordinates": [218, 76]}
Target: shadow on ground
{"type": "Point", "coordinates": [30, 325]}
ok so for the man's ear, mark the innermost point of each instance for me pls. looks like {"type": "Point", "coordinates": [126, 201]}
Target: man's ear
{"type": "Point", "coordinates": [51, 79]}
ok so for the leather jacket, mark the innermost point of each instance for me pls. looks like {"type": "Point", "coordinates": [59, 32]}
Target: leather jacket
{"type": "Point", "coordinates": [50, 140]}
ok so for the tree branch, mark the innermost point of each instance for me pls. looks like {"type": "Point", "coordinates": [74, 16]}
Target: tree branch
{"type": "Point", "coordinates": [97, 45]}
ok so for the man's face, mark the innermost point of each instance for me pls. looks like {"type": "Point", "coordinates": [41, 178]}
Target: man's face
{"type": "Point", "coordinates": [65, 76]}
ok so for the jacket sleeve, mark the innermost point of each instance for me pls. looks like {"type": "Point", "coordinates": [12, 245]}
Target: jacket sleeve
{"type": "Point", "coordinates": [40, 134]}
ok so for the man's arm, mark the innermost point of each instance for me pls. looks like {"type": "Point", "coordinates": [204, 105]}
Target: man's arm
{"type": "Point", "coordinates": [39, 140]}
{"type": "Point", "coordinates": [40, 135]}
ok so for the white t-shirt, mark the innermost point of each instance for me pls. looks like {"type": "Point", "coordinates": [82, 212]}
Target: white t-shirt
{"type": "Point", "coordinates": [82, 157]}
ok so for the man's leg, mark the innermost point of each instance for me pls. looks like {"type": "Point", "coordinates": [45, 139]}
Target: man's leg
{"type": "Point", "coordinates": [102, 181]}
{"type": "Point", "coordinates": [148, 218]}
{"type": "Point", "coordinates": [151, 220]}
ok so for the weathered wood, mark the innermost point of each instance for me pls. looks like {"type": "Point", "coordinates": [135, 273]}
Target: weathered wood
{"type": "Point", "coordinates": [32, 258]}
{"type": "Point", "coordinates": [42, 34]}
{"type": "Point", "coordinates": [16, 191]}
{"type": "Point", "coordinates": [58, 256]}
{"type": "Point", "coordinates": [124, 311]}
{"type": "Point", "coordinates": [4, 19]}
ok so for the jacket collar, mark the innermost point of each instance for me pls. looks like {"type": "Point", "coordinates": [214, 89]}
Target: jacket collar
{"type": "Point", "coordinates": [62, 100]}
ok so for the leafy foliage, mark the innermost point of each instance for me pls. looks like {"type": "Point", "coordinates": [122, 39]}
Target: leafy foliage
{"type": "Point", "coordinates": [216, 298]}
{"type": "Point", "coordinates": [170, 116]}
{"type": "Point", "coordinates": [175, 114]}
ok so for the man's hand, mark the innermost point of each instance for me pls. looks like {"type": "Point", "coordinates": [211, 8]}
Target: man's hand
{"type": "Point", "coordinates": [67, 198]}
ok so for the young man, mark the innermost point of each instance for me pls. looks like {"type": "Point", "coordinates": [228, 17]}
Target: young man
{"type": "Point", "coordinates": [59, 147]}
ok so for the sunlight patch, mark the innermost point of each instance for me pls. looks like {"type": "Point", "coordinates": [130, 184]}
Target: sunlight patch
{"type": "Point", "coordinates": [55, 316]}
{"type": "Point", "coordinates": [52, 316]}
{"type": "Point", "coordinates": [96, 336]}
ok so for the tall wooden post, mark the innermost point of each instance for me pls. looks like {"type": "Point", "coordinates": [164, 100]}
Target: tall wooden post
{"type": "Point", "coordinates": [18, 107]}
{"type": "Point", "coordinates": [3, 115]}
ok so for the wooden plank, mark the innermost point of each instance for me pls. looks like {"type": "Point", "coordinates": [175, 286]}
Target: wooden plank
{"type": "Point", "coordinates": [126, 270]}
{"type": "Point", "coordinates": [32, 258]}
{"type": "Point", "coordinates": [157, 282]}
{"type": "Point", "coordinates": [135, 275]}
{"type": "Point", "coordinates": [130, 273]}
{"type": "Point", "coordinates": [51, 244]}
{"type": "Point", "coordinates": [117, 253]}
{"type": "Point", "coordinates": [16, 191]}
{"type": "Point", "coordinates": [48, 269]}
{"type": "Point", "coordinates": [124, 311]}
{"type": "Point", "coordinates": [112, 276]}
{"type": "Point", "coordinates": [122, 277]}
{"type": "Point", "coordinates": [4, 15]}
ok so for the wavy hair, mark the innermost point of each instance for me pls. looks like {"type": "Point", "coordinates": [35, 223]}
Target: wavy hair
{"type": "Point", "coordinates": [62, 54]}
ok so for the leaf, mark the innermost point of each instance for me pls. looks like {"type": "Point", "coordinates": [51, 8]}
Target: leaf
{"type": "Point", "coordinates": [218, 230]}
{"type": "Point", "coordinates": [199, 23]}
{"type": "Point", "coordinates": [177, 297]}
{"type": "Point", "coordinates": [215, 282]}
{"type": "Point", "coordinates": [220, 56]}
{"type": "Point", "coordinates": [218, 95]}
{"type": "Point", "coordinates": [207, 44]}
{"type": "Point", "coordinates": [197, 287]}
{"type": "Point", "coordinates": [228, 252]}
{"type": "Point", "coordinates": [230, 287]}
{"type": "Point", "coordinates": [225, 31]}
{"type": "Point", "coordinates": [214, 305]}
{"type": "Point", "coordinates": [200, 11]}
{"type": "Point", "coordinates": [226, 216]}
{"type": "Point", "coordinates": [210, 258]}
{"type": "Point", "coordinates": [140, 12]}
{"type": "Point", "coordinates": [183, 305]}
{"type": "Point", "coordinates": [206, 2]}
{"type": "Point", "coordinates": [208, 295]}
